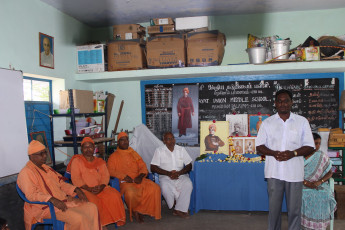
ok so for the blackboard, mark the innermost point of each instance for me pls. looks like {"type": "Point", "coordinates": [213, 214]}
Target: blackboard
{"type": "Point", "coordinates": [315, 99]}
{"type": "Point", "coordinates": [316, 96]}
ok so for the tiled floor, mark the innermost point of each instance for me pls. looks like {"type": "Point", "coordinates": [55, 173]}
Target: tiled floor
{"type": "Point", "coordinates": [11, 208]}
{"type": "Point", "coordinates": [213, 220]}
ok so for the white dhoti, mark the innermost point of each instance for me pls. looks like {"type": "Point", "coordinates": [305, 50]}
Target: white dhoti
{"type": "Point", "coordinates": [179, 190]}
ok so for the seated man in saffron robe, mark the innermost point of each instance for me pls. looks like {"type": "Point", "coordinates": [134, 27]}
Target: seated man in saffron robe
{"type": "Point", "coordinates": [92, 176]}
{"type": "Point", "coordinates": [173, 163]}
{"type": "Point", "coordinates": [41, 183]}
{"type": "Point", "coordinates": [142, 196]}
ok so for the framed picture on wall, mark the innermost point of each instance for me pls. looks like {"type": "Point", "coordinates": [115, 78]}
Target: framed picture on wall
{"type": "Point", "coordinates": [46, 51]}
{"type": "Point", "coordinates": [41, 137]}
{"type": "Point", "coordinates": [255, 121]}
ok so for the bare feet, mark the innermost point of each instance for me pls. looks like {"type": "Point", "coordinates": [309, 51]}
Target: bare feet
{"type": "Point", "coordinates": [183, 215]}
{"type": "Point", "coordinates": [138, 217]}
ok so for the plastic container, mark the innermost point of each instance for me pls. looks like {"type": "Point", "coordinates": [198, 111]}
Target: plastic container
{"type": "Point", "coordinates": [257, 55]}
{"type": "Point", "coordinates": [280, 47]}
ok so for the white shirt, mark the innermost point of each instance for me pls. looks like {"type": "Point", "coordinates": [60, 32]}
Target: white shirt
{"type": "Point", "coordinates": [278, 135]}
{"type": "Point", "coordinates": [167, 160]}
{"type": "Point", "coordinates": [47, 60]}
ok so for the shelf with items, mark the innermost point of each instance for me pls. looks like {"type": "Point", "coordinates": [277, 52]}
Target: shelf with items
{"type": "Point", "coordinates": [225, 70]}
{"type": "Point", "coordinates": [76, 143]}
{"type": "Point", "coordinates": [339, 174]}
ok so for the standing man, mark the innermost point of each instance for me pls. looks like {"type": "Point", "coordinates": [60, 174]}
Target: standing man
{"type": "Point", "coordinates": [185, 111]}
{"type": "Point", "coordinates": [284, 138]}
{"type": "Point", "coordinates": [173, 163]}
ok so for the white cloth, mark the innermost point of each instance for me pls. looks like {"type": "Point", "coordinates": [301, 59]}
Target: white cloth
{"type": "Point", "coordinates": [278, 135]}
{"type": "Point", "coordinates": [180, 189]}
{"type": "Point", "coordinates": [47, 60]}
{"type": "Point", "coordinates": [144, 142]}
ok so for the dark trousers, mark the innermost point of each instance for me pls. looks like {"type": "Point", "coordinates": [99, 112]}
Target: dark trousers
{"type": "Point", "coordinates": [293, 195]}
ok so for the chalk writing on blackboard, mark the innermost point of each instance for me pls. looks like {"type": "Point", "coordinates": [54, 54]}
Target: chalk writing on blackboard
{"type": "Point", "coordinates": [315, 99]}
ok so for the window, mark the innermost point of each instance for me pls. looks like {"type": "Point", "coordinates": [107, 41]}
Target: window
{"type": "Point", "coordinates": [36, 89]}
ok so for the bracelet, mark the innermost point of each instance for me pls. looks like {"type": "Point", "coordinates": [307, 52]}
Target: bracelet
{"type": "Point", "coordinates": [322, 181]}
{"type": "Point", "coordinates": [295, 152]}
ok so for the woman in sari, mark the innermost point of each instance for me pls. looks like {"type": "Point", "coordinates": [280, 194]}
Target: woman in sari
{"type": "Point", "coordinates": [92, 176]}
{"type": "Point", "coordinates": [318, 203]}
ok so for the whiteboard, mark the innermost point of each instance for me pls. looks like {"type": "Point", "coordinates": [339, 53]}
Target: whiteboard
{"type": "Point", "coordinates": [13, 134]}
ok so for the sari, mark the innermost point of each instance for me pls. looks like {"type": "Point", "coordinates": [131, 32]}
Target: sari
{"type": "Point", "coordinates": [318, 205]}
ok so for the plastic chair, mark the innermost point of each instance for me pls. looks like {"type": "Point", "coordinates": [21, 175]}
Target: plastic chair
{"type": "Point", "coordinates": [52, 223]}
{"type": "Point", "coordinates": [331, 185]}
{"type": "Point", "coordinates": [114, 183]}
{"type": "Point", "coordinates": [67, 175]}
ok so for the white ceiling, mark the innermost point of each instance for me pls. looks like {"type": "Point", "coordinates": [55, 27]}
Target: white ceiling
{"type": "Point", "coordinates": [101, 13]}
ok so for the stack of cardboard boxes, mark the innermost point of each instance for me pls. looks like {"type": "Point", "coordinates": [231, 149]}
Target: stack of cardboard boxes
{"type": "Point", "coordinates": [165, 47]}
{"type": "Point", "coordinates": [188, 43]}
{"type": "Point", "coordinates": [126, 51]}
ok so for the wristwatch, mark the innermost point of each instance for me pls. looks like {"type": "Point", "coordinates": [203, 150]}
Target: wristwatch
{"type": "Point", "coordinates": [295, 152]}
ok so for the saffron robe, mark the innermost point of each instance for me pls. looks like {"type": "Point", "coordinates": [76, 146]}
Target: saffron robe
{"type": "Point", "coordinates": [109, 202]}
{"type": "Point", "coordinates": [185, 108]}
{"type": "Point", "coordinates": [40, 185]}
{"type": "Point", "coordinates": [145, 197]}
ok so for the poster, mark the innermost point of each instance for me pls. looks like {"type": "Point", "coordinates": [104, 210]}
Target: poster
{"type": "Point", "coordinates": [185, 114]}
{"type": "Point", "coordinates": [214, 137]}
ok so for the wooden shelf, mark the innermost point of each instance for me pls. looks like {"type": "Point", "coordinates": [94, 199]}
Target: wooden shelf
{"type": "Point", "coordinates": [209, 71]}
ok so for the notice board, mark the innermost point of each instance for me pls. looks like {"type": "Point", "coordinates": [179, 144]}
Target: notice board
{"type": "Point", "coordinates": [315, 96]}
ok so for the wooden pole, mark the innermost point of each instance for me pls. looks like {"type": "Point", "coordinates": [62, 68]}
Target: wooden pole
{"type": "Point", "coordinates": [118, 117]}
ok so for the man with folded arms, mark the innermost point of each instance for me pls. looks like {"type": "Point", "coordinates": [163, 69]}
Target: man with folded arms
{"type": "Point", "coordinates": [173, 163]}
{"type": "Point", "coordinates": [142, 196]}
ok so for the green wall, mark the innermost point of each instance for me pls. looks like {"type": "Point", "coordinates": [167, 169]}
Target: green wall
{"type": "Point", "coordinates": [294, 25]}
{"type": "Point", "coordinates": [20, 23]}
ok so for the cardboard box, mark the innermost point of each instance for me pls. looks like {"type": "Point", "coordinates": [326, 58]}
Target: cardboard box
{"type": "Point", "coordinates": [160, 29]}
{"type": "Point", "coordinates": [336, 140]}
{"type": "Point", "coordinates": [161, 21]}
{"type": "Point", "coordinates": [128, 31]}
{"type": "Point", "coordinates": [126, 55]}
{"type": "Point", "coordinates": [205, 48]}
{"type": "Point", "coordinates": [190, 23]}
{"type": "Point", "coordinates": [311, 53]}
{"type": "Point", "coordinates": [166, 52]}
{"type": "Point", "coordinates": [83, 100]}
{"type": "Point", "coordinates": [90, 58]}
